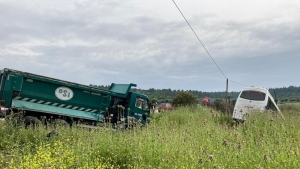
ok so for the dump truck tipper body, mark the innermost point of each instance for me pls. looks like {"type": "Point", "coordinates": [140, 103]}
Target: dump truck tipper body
{"type": "Point", "coordinates": [45, 96]}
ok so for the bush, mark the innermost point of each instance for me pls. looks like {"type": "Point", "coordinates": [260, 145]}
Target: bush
{"type": "Point", "coordinates": [233, 102]}
{"type": "Point", "coordinates": [220, 105]}
{"type": "Point", "coordinates": [154, 100]}
{"type": "Point", "coordinates": [184, 99]}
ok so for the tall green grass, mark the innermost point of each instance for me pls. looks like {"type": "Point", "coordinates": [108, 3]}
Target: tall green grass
{"type": "Point", "coordinates": [188, 137]}
{"type": "Point", "coordinates": [290, 108]}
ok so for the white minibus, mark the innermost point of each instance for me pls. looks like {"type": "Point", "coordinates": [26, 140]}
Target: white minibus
{"type": "Point", "coordinates": [253, 98]}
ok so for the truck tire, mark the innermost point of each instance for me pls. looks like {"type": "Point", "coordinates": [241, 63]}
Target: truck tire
{"type": "Point", "coordinates": [60, 122]}
{"type": "Point", "coordinates": [31, 120]}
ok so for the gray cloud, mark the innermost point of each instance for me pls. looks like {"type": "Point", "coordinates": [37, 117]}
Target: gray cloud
{"type": "Point", "coordinates": [106, 41]}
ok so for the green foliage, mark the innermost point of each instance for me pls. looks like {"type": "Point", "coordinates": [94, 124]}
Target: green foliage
{"type": "Point", "coordinates": [290, 107]}
{"type": "Point", "coordinates": [286, 93]}
{"type": "Point", "coordinates": [233, 101]}
{"type": "Point", "coordinates": [184, 99]}
{"type": "Point", "coordinates": [154, 100]}
{"type": "Point", "coordinates": [283, 94]}
{"type": "Point", "coordinates": [221, 118]}
{"type": "Point", "coordinates": [189, 137]}
{"type": "Point", "coordinates": [220, 105]}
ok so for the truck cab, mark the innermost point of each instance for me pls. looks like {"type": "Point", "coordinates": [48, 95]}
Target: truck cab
{"type": "Point", "coordinates": [140, 107]}
{"type": "Point", "coordinates": [132, 105]}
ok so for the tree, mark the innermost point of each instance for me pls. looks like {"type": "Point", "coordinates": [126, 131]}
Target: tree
{"type": "Point", "coordinates": [154, 100]}
{"type": "Point", "coordinates": [184, 99]}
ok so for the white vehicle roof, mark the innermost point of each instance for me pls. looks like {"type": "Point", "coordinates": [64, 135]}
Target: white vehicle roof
{"type": "Point", "coordinates": [257, 89]}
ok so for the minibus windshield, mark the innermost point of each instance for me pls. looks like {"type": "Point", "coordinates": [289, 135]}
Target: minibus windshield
{"type": "Point", "coordinates": [253, 95]}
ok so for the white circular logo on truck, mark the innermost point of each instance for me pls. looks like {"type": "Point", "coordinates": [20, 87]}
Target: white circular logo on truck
{"type": "Point", "coordinates": [64, 93]}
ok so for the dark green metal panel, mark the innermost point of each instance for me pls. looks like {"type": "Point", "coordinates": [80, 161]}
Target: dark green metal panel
{"type": "Point", "coordinates": [2, 83]}
{"type": "Point", "coordinates": [105, 102]}
{"type": "Point", "coordinates": [121, 90]}
{"type": "Point", "coordinates": [7, 92]}
{"type": "Point", "coordinates": [55, 81]}
{"type": "Point", "coordinates": [45, 91]}
{"type": "Point", "coordinates": [18, 82]}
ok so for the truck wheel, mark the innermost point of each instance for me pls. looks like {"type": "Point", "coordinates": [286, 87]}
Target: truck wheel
{"type": "Point", "coordinates": [60, 122]}
{"type": "Point", "coordinates": [30, 120]}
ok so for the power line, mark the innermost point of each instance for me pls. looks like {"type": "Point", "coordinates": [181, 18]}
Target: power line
{"type": "Point", "coordinates": [199, 39]}
{"type": "Point", "coordinates": [237, 83]}
{"type": "Point", "coordinates": [204, 46]}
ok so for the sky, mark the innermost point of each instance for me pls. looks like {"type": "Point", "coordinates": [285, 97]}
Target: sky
{"type": "Point", "coordinates": [148, 42]}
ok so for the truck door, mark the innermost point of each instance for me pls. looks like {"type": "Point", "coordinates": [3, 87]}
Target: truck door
{"type": "Point", "coordinates": [139, 108]}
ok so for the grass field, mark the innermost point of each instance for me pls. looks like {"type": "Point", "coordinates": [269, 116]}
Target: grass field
{"type": "Point", "coordinates": [190, 137]}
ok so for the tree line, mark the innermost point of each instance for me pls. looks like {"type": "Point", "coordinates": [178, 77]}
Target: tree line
{"type": "Point", "coordinates": [283, 94]}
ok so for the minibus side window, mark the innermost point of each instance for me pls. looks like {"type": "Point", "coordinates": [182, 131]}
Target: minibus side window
{"type": "Point", "coordinates": [271, 105]}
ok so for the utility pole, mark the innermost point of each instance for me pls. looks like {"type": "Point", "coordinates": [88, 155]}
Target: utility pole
{"type": "Point", "coordinates": [226, 103]}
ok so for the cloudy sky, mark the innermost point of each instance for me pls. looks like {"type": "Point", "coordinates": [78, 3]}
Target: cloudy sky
{"type": "Point", "coordinates": [148, 42]}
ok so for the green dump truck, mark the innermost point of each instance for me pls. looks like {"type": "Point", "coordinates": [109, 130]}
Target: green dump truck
{"type": "Point", "coordinates": [58, 100]}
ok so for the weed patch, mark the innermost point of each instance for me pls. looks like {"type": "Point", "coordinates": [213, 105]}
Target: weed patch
{"type": "Point", "coordinates": [188, 137]}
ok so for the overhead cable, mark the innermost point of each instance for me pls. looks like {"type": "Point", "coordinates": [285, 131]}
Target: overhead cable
{"type": "Point", "coordinates": [199, 40]}
{"type": "Point", "coordinates": [204, 46]}
{"type": "Point", "coordinates": [236, 82]}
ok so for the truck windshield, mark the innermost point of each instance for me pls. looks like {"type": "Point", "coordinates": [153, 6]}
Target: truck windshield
{"type": "Point", "coordinates": [141, 103]}
{"type": "Point", "coordinates": [253, 95]}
